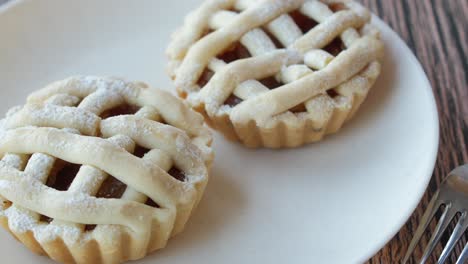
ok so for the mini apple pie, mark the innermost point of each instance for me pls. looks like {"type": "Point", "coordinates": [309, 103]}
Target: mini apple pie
{"type": "Point", "coordinates": [276, 73]}
{"type": "Point", "coordinates": [100, 170]}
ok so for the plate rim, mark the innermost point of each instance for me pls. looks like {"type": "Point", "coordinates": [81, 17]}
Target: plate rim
{"type": "Point", "coordinates": [434, 113]}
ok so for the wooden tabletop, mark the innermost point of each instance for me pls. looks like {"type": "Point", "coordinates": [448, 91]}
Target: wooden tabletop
{"type": "Point", "coordinates": [436, 31]}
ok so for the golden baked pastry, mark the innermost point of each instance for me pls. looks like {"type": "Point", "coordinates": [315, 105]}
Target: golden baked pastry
{"type": "Point", "coordinates": [100, 170]}
{"type": "Point", "coordinates": [276, 73]}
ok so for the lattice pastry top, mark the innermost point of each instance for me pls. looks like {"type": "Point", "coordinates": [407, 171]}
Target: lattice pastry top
{"type": "Point", "coordinates": [100, 170]}
{"type": "Point", "coordinates": [276, 73]}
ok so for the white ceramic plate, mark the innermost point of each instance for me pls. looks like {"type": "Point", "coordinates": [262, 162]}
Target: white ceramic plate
{"type": "Point", "coordinates": [337, 201]}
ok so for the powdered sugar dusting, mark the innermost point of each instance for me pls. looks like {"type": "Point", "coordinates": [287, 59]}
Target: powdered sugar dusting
{"type": "Point", "coordinates": [82, 202]}
{"type": "Point", "coordinates": [19, 220]}
{"type": "Point", "coordinates": [13, 160]}
{"type": "Point", "coordinates": [63, 99]}
{"type": "Point", "coordinates": [122, 141]}
{"type": "Point", "coordinates": [14, 110]}
{"type": "Point", "coordinates": [39, 165]}
{"type": "Point", "coordinates": [225, 109]}
{"type": "Point", "coordinates": [5, 184]}
{"type": "Point", "coordinates": [110, 84]}
{"type": "Point", "coordinates": [100, 100]}
{"type": "Point", "coordinates": [184, 145]}
{"type": "Point", "coordinates": [70, 233]}
{"type": "Point", "coordinates": [85, 121]}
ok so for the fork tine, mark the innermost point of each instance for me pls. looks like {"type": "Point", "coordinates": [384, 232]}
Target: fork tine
{"type": "Point", "coordinates": [457, 233]}
{"type": "Point", "coordinates": [463, 256]}
{"type": "Point", "coordinates": [432, 207]}
{"type": "Point", "coordinates": [444, 221]}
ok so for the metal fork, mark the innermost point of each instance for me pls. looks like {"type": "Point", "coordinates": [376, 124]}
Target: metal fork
{"type": "Point", "coordinates": [453, 193]}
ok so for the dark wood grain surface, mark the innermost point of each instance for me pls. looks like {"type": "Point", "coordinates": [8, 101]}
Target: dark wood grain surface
{"type": "Point", "coordinates": [436, 31]}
